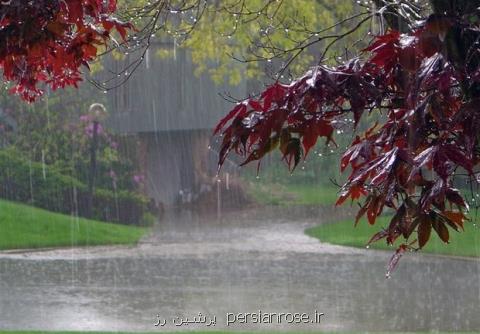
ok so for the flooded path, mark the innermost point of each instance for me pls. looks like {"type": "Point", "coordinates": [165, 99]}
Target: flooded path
{"type": "Point", "coordinates": [251, 261]}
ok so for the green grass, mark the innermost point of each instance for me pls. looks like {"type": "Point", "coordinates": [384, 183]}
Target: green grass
{"type": "Point", "coordinates": [230, 332]}
{"type": "Point", "coordinates": [294, 194]}
{"type": "Point", "coordinates": [23, 226]}
{"type": "Point", "coordinates": [465, 243]}
{"type": "Point", "coordinates": [314, 194]}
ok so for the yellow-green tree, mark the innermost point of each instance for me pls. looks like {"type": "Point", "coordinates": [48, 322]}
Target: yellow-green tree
{"type": "Point", "coordinates": [253, 32]}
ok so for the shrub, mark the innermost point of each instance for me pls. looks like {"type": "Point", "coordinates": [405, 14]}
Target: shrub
{"type": "Point", "coordinates": [44, 187]}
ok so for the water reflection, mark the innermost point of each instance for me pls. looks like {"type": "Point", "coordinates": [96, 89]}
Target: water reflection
{"type": "Point", "coordinates": [250, 261]}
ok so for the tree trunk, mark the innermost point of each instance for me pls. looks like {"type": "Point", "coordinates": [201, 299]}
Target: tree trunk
{"type": "Point", "coordinates": [454, 7]}
{"type": "Point", "coordinates": [458, 42]}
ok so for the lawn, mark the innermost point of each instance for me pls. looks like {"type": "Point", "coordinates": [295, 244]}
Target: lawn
{"type": "Point", "coordinates": [344, 233]}
{"type": "Point", "coordinates": [23, 226]}
{"type": "Point", "coordinates": [465, 243]}
{"type": "Point", "coordinates": [229, 332]}
{"type": "Point", "coordinates": [292, 194]}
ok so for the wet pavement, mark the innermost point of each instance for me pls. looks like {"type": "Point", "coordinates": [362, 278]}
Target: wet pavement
{"type": "Point", "coordinates": [252, 261]}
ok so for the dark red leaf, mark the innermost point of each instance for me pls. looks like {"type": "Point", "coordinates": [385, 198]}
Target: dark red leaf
{"type": "Point", "coordinates": [424, 229]}
{"type": "Point", "coordinates": [456, 218]}
{"type": "Point", "coordinates": [392, 264]}
{"type": "Point", "coordinates": [377, 236]}
{"type": "Point", "coordinates": [441, 230]}
{"type": "Point", "coordinates": [239, 111]}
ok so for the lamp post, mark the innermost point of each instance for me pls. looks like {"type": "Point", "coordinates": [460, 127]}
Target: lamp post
{"type": "Point", "coordinates": [98, 112]}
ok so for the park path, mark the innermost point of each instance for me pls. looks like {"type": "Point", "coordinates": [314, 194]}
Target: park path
{"type": "Point", "coordinates": [247, 261]}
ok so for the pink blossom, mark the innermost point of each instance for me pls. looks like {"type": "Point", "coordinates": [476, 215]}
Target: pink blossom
{"type": "Point", "coordinates": [89, 129]}
{"type": "Point", "coordinates": [138, 178]}
{"type": "Point", "coordinates": [86, 118]}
